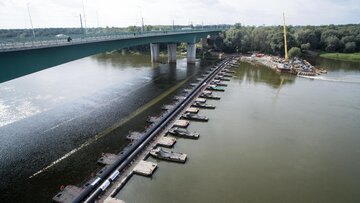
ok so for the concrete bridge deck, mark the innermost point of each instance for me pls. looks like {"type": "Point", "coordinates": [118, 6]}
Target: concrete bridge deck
{"type": "Point", "coordinates": [54, 42]}
{"type": "Point", "coordinates": [21, 58]}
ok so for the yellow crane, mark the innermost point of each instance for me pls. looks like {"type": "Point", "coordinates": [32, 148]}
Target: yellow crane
{"type": "Point", "coordinates": [285, 41]}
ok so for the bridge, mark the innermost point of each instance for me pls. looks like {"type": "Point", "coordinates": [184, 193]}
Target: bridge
{"type": "Point", "coordinates": [21, 58]}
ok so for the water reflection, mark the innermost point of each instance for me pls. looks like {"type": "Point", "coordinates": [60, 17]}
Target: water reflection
{"type": "Point", "coordinates": [117, 58]}
{"type": "Point", "coordinates": [334, 65]}
{"type": "Point", "coordinates": [261, 74]}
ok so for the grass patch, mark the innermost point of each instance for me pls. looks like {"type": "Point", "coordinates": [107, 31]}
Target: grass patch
{"type": "Point", "coordinates": [342, 56]}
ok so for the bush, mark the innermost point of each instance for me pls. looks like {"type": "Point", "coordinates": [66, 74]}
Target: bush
{"type": "Point", "coordinates": [306, 46]}
{"type": "Point", "coordinates": [294, 51]}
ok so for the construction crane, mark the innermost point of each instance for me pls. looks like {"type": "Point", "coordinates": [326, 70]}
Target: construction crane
{"type": "Point", "coordinates": [285, 41]}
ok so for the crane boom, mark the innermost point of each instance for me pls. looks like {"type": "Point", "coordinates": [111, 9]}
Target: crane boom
{"type": "Point", "coordinates": [285, 41]}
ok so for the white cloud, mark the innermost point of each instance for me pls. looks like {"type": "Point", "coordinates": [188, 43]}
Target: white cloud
{"type": "Point", "coordinates": [65, 13]}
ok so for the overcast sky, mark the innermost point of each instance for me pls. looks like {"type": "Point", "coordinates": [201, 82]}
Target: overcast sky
{"type": "Point", "coordinates": [120, 13]}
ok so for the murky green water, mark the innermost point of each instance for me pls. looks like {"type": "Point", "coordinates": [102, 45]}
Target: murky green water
{"type": "Point", "coordinates": [271, 138]}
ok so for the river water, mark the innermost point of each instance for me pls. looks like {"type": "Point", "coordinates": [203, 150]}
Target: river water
{"type": "Point", "coordinates": [271, 138]}
{"type": "Point", "coordinates": [54, 124]}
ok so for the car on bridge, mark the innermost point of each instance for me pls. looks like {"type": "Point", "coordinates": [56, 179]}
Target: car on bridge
{"type": "Point", "coordinates": [63, 36]}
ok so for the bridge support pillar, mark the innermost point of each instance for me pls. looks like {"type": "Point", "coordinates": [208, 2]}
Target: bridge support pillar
{"type": "Point", "coordinates": [171, 53]}
{"type": "Point", "coordinates": [155, 52]}
{"type": "Point", "coordinates": [191, 52]}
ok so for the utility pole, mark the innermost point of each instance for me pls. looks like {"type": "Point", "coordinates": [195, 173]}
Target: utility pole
{"type": "Point", "coordinates": [173, 25]}
{"type": "Point", "coordinates": [32, 27]}
{"type": "Point", "coordinates": [142, 25]}
{"type": "Point", "coordinates": [84, 16]}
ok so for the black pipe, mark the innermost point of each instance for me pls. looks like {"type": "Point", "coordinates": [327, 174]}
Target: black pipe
{"type": "Point", "coordinates": [114, 169]}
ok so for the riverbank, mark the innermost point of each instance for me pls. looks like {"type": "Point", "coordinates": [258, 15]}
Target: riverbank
{"type": "Point", "coordinates": [342, 56]}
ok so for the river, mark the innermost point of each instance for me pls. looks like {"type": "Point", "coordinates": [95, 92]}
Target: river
{"type": "Point", "coordinates": [54, 124]}
{"type": "Point", "coordinates": [271, 138]}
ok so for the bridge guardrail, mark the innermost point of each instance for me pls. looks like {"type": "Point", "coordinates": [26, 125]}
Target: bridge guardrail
{"type": "Point", "coordinates": [48, 42]}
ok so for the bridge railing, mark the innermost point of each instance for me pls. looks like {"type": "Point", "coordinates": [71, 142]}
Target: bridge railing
{"type": "Point", "coordinates": [19, 44]}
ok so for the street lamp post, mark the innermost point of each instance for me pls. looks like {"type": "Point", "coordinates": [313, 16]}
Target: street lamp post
{"type": "Point", "coordinates": [32, 27]}
{"type": "Point", "coordinates": [142, 20]}
{"type": "Point", "coordinates": [84, 16]}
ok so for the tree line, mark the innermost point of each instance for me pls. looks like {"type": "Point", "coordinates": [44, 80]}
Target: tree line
{"type": "Point", "coordinates": [270, 39]}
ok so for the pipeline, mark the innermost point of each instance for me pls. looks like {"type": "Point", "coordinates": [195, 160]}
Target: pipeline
{"type": "Point", "coordinates": [89, 194]}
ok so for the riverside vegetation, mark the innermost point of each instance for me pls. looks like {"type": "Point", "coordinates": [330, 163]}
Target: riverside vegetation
{"type": "Point", "coordinates": [270, 40]}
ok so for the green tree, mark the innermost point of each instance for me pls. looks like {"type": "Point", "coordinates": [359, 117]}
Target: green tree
{"type": "Point", "coordinates": [329, 33]}
{"type": "Point", "coordinates": [307, 36]}
{"type": "Point", "coordinates": [237, 25]}
{"type": "Point", "coordinates": [350, 47]}
{"type": "Point", "coordinates": [219, 43]}
{"type": "Point", "coordinates": [277, 42]}
{"type": "Point", "coordinates": [233, 39]}
{"type": "Point", "coordinates": [245, 44]}
{"type": "Point", "coordinates": [347, 39]}
{"type": "Point", "coordinates": [260, 39]}
{"type": "Point", "coordinates": [332, 44]}
{"type": "Point", "coordinates": [294, 52]}
{"type": "Point", "coordinates": [305, 46]}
